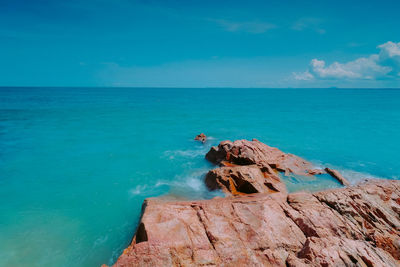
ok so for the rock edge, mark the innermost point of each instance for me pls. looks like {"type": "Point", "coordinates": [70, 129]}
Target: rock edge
{"type": "Point", "coordinates": [259, 224]}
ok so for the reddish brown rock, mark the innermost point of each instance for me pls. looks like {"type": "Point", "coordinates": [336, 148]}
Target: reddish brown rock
{"type": "Point", "coordinates": [316, 172]}
{"type": "Point", "coordinates": [201, 137]}
{"type": "Point", "coordinates": [269, 159]}
{"type": "Point", "coordinates": [259, 224]}
{"type": "Point", "coordinates": [372, 210]}
{"type": "Point", "coordinates": [316, 219]}
{"type": "Point", "coordinates": [239, 180]}
{"type": "Point", "coordinates": [336, 251]}
{"type": "Point", "coordinates": [335, 174]}
{"type": "Point", "coordinates": [240, 231]}
{"type": "Point", "coordinates": [352, 226]}
{"type": "Point", "coordinates": [243, 152]}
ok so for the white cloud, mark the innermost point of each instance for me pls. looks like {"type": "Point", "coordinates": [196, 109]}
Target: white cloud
{"type": "Point", "coordinates": [255, 27]}
{"type": "Point", "coordinates": [303, 76]}
{"type": "Point", "coordinates": [385, 65]}
{"type": "Point", "coordinates": [390, 56]}
{"type": "Point", "coordinates": [390, 49]}
{"type": "Point", "coordinates": [309, 23]}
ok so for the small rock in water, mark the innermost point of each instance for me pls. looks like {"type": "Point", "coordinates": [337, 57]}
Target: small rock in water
{"type": "Point", "coordinates": [201, 137]}
{"type": "Point", "coordinates": [259, 224]}
{"type": "Point", "coordinates": [335, 174]}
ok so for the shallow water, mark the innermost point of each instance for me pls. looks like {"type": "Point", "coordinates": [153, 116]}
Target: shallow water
{"type": "Point", "coordinates": [76, 163]}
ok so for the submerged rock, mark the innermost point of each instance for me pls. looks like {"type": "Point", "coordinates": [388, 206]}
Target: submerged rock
{"type": "Point", "coordinates": [201, 137]}
{"type": "Point", "coordinates": [340, 227]}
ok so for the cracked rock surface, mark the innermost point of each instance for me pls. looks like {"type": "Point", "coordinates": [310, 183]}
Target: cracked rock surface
{"type": "Point", "coordinates": [259, 226]}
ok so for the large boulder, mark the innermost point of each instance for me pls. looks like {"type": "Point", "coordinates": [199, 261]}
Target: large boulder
{"type": "Point", "coordinates": [352, 226]}
{"type": "Point", "coordinates": [241, 231]}
{"type": "Point", "coordinates": [239, 180]}
{"type": "Point", "coordinates": [269, 159]}
{"type": "Point", "coordinates": [244, 152]}
{"type": "Point", "coordinates": [259, 224]}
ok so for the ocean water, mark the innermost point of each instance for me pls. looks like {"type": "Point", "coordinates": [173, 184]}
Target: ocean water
{"type": "Point", "coordinates": [76, 163]}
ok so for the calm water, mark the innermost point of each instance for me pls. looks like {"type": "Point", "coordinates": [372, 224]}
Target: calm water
{"type": "Point", "coordinates": [76, 164]}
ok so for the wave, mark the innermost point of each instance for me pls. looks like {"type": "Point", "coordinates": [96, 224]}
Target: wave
{"type": "Point", "coordinates": [139, 190]}
{"type": "Point", "coordinates": [189, 185]}
{"type": "Point", "coordinates": [355, 177]}
{"type": "Point", "coordinates": [351, 175]}
{"type": "Point", "coordinates": [190, 153]}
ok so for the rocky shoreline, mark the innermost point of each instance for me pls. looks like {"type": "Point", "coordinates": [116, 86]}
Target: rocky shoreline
{"type": "Point", "coordinates": [259, 224]}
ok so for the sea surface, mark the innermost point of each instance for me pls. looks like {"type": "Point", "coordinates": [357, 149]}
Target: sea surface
{"type": "Point", "coordinates": [77, 163]}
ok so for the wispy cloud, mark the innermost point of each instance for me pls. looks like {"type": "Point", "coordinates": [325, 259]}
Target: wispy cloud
{"type": "Point", "coordinates": [384, 65]}
{"type": "Point", "coordinates": [307, 23]}
{"type": "Point", "coordinates": [254, 27]}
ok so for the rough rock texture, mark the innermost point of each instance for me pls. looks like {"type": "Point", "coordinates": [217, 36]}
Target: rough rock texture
{"type": "Point", "coordinates": [244, 152]}
{"type": "Point", "coordinates": [201, 137]}
{"type": "Point", "coordinates": [269, 159]}
{"type": "Point", "coordinates": [259, 224]}
{"type": "Point", "coordinates": [338, 176]}
{"type": "Point", "coordinates": [239, 180]}
{"type": "Point", "coordinates": [353, 226]}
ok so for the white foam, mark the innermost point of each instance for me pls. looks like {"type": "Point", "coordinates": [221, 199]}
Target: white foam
{"type": "Point", "coordinates": [352, 176]}
{"type": "Point", "coordinates": [193, 180]}
{"type": "Point", "coordinates": [172, 154]}
{"type": "Point", "coordinates": [355, 177]}
{"type": "Point", "coordinates": [189, 185]}
{"type": "Point", "coordinates": [195, 183]}
{"type": "Point", "coordinates": [138, 190]}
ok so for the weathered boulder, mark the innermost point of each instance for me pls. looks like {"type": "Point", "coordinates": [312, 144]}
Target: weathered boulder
{"type": "Point", "coordinates": [269, 159]}
{"type": "Point", "coordinates": [240, 231]}
{"type": "Point", "coordinates": [352, 226]}
{"type": "Point", "coordinates": [239, 180]}
{"type": "Point", "coordinates": [259, 224]}
{"type": "Point", "coordinates": [244, 152]}
{"type": "Point", "coordinates": [336, 251]}
{"type": "Point", "coordinates": [373, 209]}
{"type": "Point", "coordinates": [335, 174]}
{"type": "Point", "coordinates": [201, 137]}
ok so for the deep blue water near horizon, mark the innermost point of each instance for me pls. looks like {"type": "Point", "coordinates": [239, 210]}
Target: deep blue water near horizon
{"type": "Point", "coordinates": [77, 163]}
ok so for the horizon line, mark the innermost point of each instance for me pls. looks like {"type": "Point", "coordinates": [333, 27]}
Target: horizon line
{"type": "Point", "coordinates": [180, 87]}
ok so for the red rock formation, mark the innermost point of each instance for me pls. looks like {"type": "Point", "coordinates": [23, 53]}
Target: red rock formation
{"type": "Point", "coordinates": [201, 137]}
{"type": "Point", "coordinates": [243, 152]}
{"type": "Point", "coordinates": [341, 227]}
{"type": "Point", "coordinates": [243, 180]}
{"type": "Point", "coordinates": [337, 176]}
{"type": "Point", "coordinates": [269, 159]}
{"type": "Point", "coordinates": [259, 224]}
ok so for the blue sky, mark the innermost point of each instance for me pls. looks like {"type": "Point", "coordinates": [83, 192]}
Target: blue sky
{"type": "Point", "coordinates": [200, 43]}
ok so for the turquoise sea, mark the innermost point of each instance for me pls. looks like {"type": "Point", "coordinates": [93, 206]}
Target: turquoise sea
{"type": "Point", "coordinates": [76, 163]}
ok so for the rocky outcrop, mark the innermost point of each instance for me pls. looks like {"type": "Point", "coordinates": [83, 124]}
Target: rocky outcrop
{"type": "Point", "coordinates": [240, 180]}
{"type": "Point", "coordinates": [260, 224]}
{"type": "Point", "coordinates": [201, 137]}
{"type": "Point", "coordinates": [353, 226]}
{"type": "Point", "coordinates": [337, 176]}
{"type": "Point", "coordinates": [244, 152]}
{"type": "Point", "coordinates": [270, 160]}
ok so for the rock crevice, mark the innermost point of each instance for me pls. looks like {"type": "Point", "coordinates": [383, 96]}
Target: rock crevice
{"type": "Point", "coordinates": [259, 224]}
